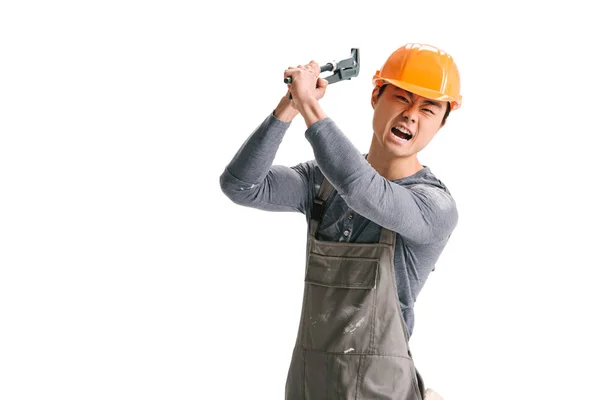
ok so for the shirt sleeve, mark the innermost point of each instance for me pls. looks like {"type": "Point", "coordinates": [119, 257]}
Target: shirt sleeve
{"type": "Point", "coordinates": [251, 179]}
{"type": "Point", "coordinates": [421, 213]}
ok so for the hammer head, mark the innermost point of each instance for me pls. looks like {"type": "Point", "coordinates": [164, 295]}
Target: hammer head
{"type": "Point", "coordinates": [346, 69]}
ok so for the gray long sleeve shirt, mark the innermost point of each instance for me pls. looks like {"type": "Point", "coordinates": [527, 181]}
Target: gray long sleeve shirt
{"type": "Point", "coordinates": [419, 208]}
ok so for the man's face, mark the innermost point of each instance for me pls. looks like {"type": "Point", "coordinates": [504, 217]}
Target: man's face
{"type": "Point", "coordinates": [403, 122]}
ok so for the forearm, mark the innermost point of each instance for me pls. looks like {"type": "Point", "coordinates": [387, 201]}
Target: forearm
{"type": "Point", "coordinates": [311, 112]}
{"type": "Point", "coordinates": [254, 158]}
{"type": "Point", "coordinates": [284, 110]}
{"type": "Point", "coordinates": [344, 166]}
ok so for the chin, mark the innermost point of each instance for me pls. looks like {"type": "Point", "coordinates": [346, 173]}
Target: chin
{"type": "Point", "coordinates": [397, 153]}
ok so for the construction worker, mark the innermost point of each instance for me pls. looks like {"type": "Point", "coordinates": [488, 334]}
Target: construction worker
{"type": "Point", "coordinates": [377, 222]}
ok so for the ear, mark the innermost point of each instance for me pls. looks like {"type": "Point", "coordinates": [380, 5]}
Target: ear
{"type": "Point", "coordinates": [374, 96]}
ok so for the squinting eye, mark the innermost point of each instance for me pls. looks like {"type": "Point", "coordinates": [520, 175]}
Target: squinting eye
{"type": "Point", "coordinates": [404, 99]}
{"type": "Point", "coordinates": [428, 110]}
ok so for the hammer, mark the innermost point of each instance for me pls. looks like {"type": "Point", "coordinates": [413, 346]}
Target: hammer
{"type": "Point", "coordinates": [342, 70]}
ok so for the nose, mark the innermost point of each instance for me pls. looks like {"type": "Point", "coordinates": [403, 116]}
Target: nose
{"type": "Point", "coordinates": [410, 114]}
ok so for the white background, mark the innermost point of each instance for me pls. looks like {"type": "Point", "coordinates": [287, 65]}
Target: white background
{"type": "Point", "coordinates": [125, 273]}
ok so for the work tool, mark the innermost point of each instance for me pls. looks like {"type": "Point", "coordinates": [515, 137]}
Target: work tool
{"type": "Point", "coordinates": [341, 70]}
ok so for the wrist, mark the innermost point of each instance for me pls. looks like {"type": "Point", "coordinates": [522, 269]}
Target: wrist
{"type": "Point", "coordinates": [284, 110]}
{"type": "Point", "coordinates": [311, 111]}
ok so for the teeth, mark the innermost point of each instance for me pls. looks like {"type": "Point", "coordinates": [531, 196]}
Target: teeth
{"type": "Point", "coordinates": [402, 129]}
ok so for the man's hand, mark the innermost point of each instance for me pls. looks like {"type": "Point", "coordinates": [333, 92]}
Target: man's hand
{"type": "Point", "coordinates": [306, 84]}
{"type": "Point", "coordinates": [306, 89]}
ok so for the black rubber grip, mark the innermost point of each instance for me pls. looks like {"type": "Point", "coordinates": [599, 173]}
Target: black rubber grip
{"type": "Point", "coordinates": [327, 67]}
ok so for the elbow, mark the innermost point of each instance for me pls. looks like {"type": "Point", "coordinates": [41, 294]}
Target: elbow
{"type": "Point", "coordinates": [241, 194]}
{"type": "Point", "coordinates": [227, 188]}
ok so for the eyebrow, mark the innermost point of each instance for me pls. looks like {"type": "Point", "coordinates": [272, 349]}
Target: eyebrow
{"type": "Point", "coordinates": [426, 102]}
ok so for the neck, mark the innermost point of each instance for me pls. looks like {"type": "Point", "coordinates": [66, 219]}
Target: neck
{"type": "Point", "coordinates": [392, 167]}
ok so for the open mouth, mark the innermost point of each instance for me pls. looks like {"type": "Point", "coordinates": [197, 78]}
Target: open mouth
{"type": "Point", "coordinates": [402, 133]}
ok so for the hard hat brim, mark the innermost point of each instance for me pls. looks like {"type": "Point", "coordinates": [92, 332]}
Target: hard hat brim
{"type": "Point", "coordinates": [455, 103]}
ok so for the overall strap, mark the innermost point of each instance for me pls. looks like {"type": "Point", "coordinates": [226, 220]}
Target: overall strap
{"type": "Point", "coordinates": [318, 206]}
{"type": "Point", "coordinates": [387, 237]}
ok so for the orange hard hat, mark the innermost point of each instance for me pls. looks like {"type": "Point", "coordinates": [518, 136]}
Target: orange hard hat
{"type": "Point", "coordinates": [424, 70]}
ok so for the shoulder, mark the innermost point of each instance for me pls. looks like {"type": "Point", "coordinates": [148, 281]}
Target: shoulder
{"type": "Point", "coordinates": [425, 183]}
{"type": "Point", "coordinates": [437, 197]}
{"type": "Point", "coordinates": [433, 198]}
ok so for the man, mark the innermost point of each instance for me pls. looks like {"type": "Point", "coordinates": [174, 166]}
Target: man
{"type": "Point", "coordinates": [377, 223]}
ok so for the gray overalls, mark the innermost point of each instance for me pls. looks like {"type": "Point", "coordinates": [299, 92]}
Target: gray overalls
{"type": "Point", "coordinates": [352, 342]}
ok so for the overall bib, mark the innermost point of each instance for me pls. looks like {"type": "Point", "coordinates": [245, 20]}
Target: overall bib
{"type": "Point", "coordinates": [352, 341]}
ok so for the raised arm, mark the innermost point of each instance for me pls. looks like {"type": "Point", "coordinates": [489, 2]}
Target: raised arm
{"type": "Point", "coordinates": [423, 213]}
{"type": "Point", "coordinates": [251, 179]}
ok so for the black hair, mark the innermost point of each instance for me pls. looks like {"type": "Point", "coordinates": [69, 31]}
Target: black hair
{"type": "Point", "coordinates": [447, 104]}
